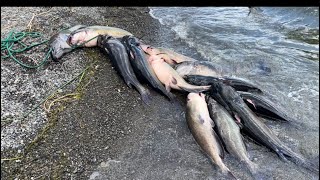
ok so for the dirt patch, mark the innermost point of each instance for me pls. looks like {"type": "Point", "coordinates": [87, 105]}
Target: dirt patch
{"type": "Point", "coordinates": [65, 143]}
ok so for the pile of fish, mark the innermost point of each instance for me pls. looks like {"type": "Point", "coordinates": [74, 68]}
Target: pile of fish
{"type": "Point", "coordinates": [219, 108]}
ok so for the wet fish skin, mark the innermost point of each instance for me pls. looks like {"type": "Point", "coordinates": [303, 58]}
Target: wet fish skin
{"type": "Point", "coordinates": [168, 55]}
{"type": "Point", "coordinates": [237, 83]}
{"type": "Point", "coordinates": [201, 127]}
{"type": "Point", "coordinates": [264, 107]}
{"type": "Point", "coordinates": [230, 134]}
{"type": "Point", "coordinates": [60, 42]}
{"type": "Point", "coordinates": [203, 68]}
{"type": "Point", "coordinates": [254, 127]}
{"type": "Point", "coordinates": [64, 41]}
{"type": "Point", "coordinates": [170, 78]}
{"type": "Point", "coordinates": [119, 57]}
{"type": "Point", "coordinates": [79, 37]}
{"type": "Point", "coordinates": [142, 66]}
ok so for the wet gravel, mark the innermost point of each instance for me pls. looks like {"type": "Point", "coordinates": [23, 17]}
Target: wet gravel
{"type": "Point", "coordinates": [106, 101]}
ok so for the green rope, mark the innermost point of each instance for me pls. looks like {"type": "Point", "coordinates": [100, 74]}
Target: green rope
{"type": "Point", "coordinates": [16, 37]}
{"type": "Point", "coordinates": [13, 38]}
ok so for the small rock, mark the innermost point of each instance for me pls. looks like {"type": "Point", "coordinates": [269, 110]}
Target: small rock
{"type": "Point", "coordinates": [94, 175]}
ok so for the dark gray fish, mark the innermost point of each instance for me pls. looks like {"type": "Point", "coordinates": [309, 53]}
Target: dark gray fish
{"type": "Point", "coordinates": [119, 57]}
{"type": "Point", "coordinates": [264, 107]}
{"type": "Point", "coordinates": [230, 134]}
{"type": "Point", "coordinates": [237, 83]}
{"type": "Point", "coordinates": [254, 127]}
{"type": "Point", "coordinates": [141, 65]}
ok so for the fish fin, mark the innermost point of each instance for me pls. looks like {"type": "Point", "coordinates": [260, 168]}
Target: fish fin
{"type": "Point", "coordinates": [131, 54]}
{"type": "Point", "coordinates": [168, 88]}
{"type": "Point", "coordinates": [251, 102]}
{"type": "Point", "coordinates": [231, 175]}
{"type": "Point", "coordinates": [128, 84]}
{"type": "Point", "coordinates": [264, 107]}
{"type": "Point", "coordinates": [174, 62]}
{"type": "Point", "coordinates": [281, 155]}
{"type": "Point", "coordinates": [228, 173]}
{"type": "Point", "coordinates": [214, 116]}
{"type": "Point", "coordinates": [76, 28]}
{"type": "Point", "coordinates": [196, 89]}
{"type": "Point", "coordinates": [238, 120]}
{"type": "Point", "coordinates": [221, 149]}
{"type": "Point", "coordinates": [251, 137]}
{"type": "Point", "coordinates": [146, 98]}
{"type": "Point", "coordinates": [174, 80]}
{"type": "Point", "coordinates": [298, 159]}
{"type": "Point", "coordinates": [241, 85]}
{"type": "Point", "coordinates": [245, 145]}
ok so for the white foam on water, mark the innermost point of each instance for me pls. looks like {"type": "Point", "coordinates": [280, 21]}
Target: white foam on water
{"type": "Point", "coordinates": [151, 12]}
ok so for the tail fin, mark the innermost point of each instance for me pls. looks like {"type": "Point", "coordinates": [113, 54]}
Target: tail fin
{"type": "Point", "coordinates": [146, 98]}
{"type": "Point", "coordinates": [230, 175]}
{"type": "Point", "coordinates": [170, 96]}
{"type": "Point", "coordinates": [256, 174]}
{"type": "Point", "coordinates": [298, 159]}
{"type": "Point", "coordinates": [145, 95]}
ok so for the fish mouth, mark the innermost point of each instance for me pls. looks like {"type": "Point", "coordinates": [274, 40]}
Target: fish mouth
{"type": "Point", "coordinates": [60, 44]}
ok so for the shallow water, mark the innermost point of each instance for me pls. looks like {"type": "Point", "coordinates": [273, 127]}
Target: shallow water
{"type": "Point", "coordinates": [275, 48]}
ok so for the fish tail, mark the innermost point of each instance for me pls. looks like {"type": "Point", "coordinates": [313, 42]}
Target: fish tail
{"type": "Point", "coordinates": [298, 159]}
{"type": "Point", "coordinates": [254, 170]}
{"type": "Point", "coordinates": [253, 167]}
{"type": "Point", "coordinates": [228, 173]}
{"type": "Point", "coordinates": [146, 98]}
{"type": "Point", "coordinates": [145, 95]}
{"type": "Point", "coordinates": [171, 97]}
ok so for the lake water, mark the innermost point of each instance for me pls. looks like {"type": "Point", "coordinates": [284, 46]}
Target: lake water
{"type": "Point", "coordinates": [275, 48]}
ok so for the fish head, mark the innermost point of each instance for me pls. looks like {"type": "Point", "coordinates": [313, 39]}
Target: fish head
{"type": "Point", "coordinates": [216, 88]}
{"type": "Point", "coordinates": [223, 92]}
{"type": "Point", "coordinates": [196, 97]}
{"type": "Point", "coordinates": [60, 42]}
{"type": "Point", "coordinates": [212, 103]}
{"type": "Point", "coordinates": [107, 42]}
{"type": "Point", "coordinates": [102, 40]}
{"type": "Point", "coordinates": [59, 45]}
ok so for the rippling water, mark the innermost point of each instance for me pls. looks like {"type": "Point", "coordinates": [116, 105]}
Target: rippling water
{"type": "Point", "coordinates": [276, 48]}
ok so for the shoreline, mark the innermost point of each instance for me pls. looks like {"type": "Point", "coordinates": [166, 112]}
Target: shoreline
{"type": "Point", "coordinates": [58, 148]}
